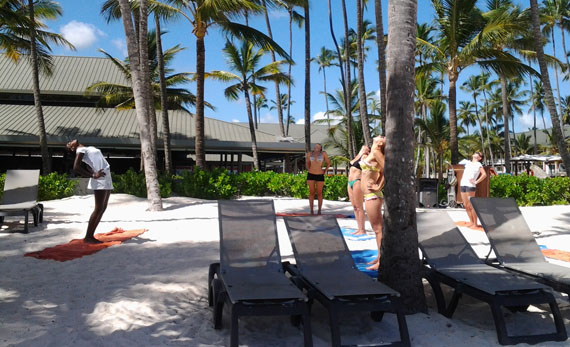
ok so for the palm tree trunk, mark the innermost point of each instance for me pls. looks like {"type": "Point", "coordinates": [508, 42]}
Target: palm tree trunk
{"type": "Point", "coordinates": [479, 121]}
{"type": "Point", "coordinates": [506, 115]}
{"type": "Point", "coordinates": [381, 61]}
{"type": "Point", "coordinates": [277, 91]}
{"type": "Point", "coordinates": [163, 100]}
{"type": "Point", "coordinates": [46, 157]}
{"type": "Point", "coordinates": [153, 189]}
{"type": "Point", "coordinates": [326, 97]}
{"type": "Point", "coordinates": [453, 119]}
{"type": "Point", "coordinates": [534, 148]}
{"type": "Point", "coordinates": [289, 72]}
{"type": "Point", "coordinates": [251, 129]}
{"type": "Point", "coordinates": [348, 80]}
{"type": "Point", "coordinates": [199, 125]}
{"type": "Point", "coordinates": [488, 130]}
{"type": "Point", "coordinates": [556, 76]}
{"type": "Point", "coordinates": [547, 89]}
{"type": "Point", "coordinates": [307, 79]}
{"type": "Point", "coordinates": [345, 88]}
{"type": "Point", "coordinates": [361, 86]}
{"type": "Point", "coordinates": [426, 148]}
{"type": "Point", "coordinates": [400, 266]}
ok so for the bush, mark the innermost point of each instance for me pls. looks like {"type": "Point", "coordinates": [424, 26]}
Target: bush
{"type": "Point", "coordinates": [134, 183]}
{"type": "Point", "coordinates": [335, 187]}
{"type": "Point", "coordinates": [254, 183]}
{"type": "Point", "coordinates": [530, 190]}
{"type": "Point", "coordinates": [54, 186]}
{"type": "Point", "coordinates": [214, 184]}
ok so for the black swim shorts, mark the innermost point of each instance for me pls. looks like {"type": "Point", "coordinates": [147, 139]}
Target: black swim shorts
{"type": "Point", "coordinates": [313, 177]}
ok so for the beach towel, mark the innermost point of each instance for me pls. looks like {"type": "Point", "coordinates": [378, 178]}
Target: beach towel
{"type": "Point", "coordinates": [464, 224]}
{"type": "Point", "coordinates": [362, 248]}
{"type": "Point", "coordinates": [297, 214]}
{"type": "Point", "coordinates": [77, 248]}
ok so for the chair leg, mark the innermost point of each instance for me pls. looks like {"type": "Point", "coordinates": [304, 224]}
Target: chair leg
{"type": "Point", "coordinates": [41, 214]}
{"type": "Point", "coordinates": [453, 303]}
{"type": "Point", "coordinates": [36, 215]}
{"type": "Point", "coordinates": [307, 332]}
{"type": "Point", "coordinates": [26, 220]}
{"type": "Point", "coordinates": [403, 327]}
{"type": "Point", "coordinates": [500, 325]}
{"type": "Point", "coordinates": [234, 329]}
{"type": "Point", "coordinates": [212, 271]}
{"type": "Point", "coordinates": [218, 298]}
{"type": "Point", "coordinates": [558, 321]}
{"type": "Point", "coordinates": [335, 329]}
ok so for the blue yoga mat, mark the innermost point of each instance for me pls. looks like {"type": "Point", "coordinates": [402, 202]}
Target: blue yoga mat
{"type": "Point", "coordinates": [362, 253]}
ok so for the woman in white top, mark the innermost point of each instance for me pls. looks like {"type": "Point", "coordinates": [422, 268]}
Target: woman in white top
{"type": "Point", "coordinates": [472, 175]}
{"type": "Point", "coordinates": [99, 172]}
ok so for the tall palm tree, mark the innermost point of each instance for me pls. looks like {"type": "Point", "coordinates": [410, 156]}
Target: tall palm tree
{"type": "Point", "coordinates": [426, 94]}
{"type": "Point", "coordinates": [203, 15]}
{"type": "Point", "coordinates": [556, 129]}
{"type": "Point", "coordinates": [472, 86]}
{"type": "Point", "coordinates": [399, 264]}
{"type": "Point", "coordinates": [537, 102]}
{"type": "Point", "coordinates": [485, 86]}
{"type": "Point", "coordinates": [381, 60]}
{"type": "Point", "coordinates": [436, 127]}
{"type": "Point", "coordinates": [307, 77]}
{"type": "Point", "coordinates": [361, 84]}
{"type": "Point", "coordinates": [466, 116]}
{"type": "Point", "coordinates": [153, 189]}
{"type": "Point", "coordinates": [244, 61]}
{"type": "Point", "coordinates": [325, 59]}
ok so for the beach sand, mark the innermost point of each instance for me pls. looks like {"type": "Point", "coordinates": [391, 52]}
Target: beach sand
{"type": "Point", "coordinates": [152, 290]}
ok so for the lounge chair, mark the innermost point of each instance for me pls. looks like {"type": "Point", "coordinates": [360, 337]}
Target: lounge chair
{"type": "Point", "coordinates": [20, 196]}
{"type": "Point", "coordinates": [450, 260]}
{"type": "Point", "coordinates": [250, 277]}
{"type": "Point", "coordinates": [514, 245]}
{"type": "Point", "coordinates": [325, 269]}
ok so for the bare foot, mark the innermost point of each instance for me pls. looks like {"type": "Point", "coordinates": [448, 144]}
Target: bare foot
{"type": "Point", "coordinates": [319, 212]}
{"type": "Point", "coordinates": [312, 213]}
{"type": "Point", "coordinates": [359, 232]}
{"type": "Point", "coordinates": [91, 240]}
{"type": "Point", "coordinates": [374, 267]}
{"type": "Point", "coordinates": [375, 261]}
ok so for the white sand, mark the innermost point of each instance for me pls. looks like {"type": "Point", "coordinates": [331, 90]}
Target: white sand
{"type": "Point", "coordinates": [151, 290]}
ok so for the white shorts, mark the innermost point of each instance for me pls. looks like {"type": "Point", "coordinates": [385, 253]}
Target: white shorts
{"type": "Point", "coordinates": [103, 183]}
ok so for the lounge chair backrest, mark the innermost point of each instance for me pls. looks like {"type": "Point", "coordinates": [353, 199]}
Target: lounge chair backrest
{"type": "Point", "coordinates": [318, 241]}
{"type": "Point", "coordinates": [441, 242]}
{"type": "Point", "coordinates": [510, 236]}
{"type": "Point", "coordinates": [21, 186]}
{"type": "Point", "coordinates": [248, 234]}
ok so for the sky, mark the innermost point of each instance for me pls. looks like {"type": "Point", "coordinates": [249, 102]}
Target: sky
{"type": "Point", "coordinates": [82, 25]}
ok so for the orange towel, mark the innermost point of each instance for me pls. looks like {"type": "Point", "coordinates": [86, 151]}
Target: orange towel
{"type": "Point", "coordinates": [557, 254]}
{"type": "Point", "coordinates": [78, 248]}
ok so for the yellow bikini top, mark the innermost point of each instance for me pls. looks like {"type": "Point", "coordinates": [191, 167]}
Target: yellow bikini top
{"type": "Point", "coordinates": [365, 166]}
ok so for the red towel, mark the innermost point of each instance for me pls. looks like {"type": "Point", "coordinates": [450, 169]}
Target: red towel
{"type": "Point", "coordinates": [557, 254]}
{"type": "Point", "coordinates": [78, 248]}
{"type": "Point", "coordinates": [464, 224]}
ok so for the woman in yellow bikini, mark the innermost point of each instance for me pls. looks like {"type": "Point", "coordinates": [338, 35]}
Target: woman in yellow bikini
{"type": "Point", "coordinates": [355, 191]}
{"type": "Point", "coordinates": [372, 183]}
{"type": "Point", "coordinates": [316, 175]}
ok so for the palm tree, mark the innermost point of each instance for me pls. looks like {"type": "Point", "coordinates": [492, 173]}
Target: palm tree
{"type": "Point", "coordinates": [486, 86]}
{"type": "Point", "coordinates": [202, 15]}
{"type": "Point", "coordinates": [556, 129]}
{"type": "Point", "coordinates": [244, 61]}
{"type": "Point", "coordinates": [472, 86]}
{"type": "Point", "coordinates": [135, 60]}
{"type": "Point", "coordinates": [523, 145]}
{"type": "Point", "coordinates": [325, 59]}
{"type": "Point", "coordinates": [566, 110]}
{"type": "Point", "coordinates": [260, 103]}
{"type": "Point", "coordinates": [361, 85]}
{"type": "Point", "coordinates": [307, 77]}
{"type": "Point", "coordinates": [399, 263]}
{"type": "Point", "coordinates": [556, 12]}
{"type": "Point", "coordinates": [426, 94]}
{"type": "Point", "coordinates": [537, 101]}
{"type": "Point", "coordinates": [381, 60]}
{"type": "Point", "coordinates": [466, 116]}
{"type": "Point", "coordinates": [21, 34]}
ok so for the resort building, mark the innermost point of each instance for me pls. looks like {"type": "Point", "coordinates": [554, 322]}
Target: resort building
{"type": "Point", "coordinates": [70, 113]}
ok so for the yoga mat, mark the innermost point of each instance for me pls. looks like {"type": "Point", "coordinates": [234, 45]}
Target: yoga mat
{"type": "Point", "coordinates": [555, 254]}
{"type": "Point", "coordinates": [77, 248]}
{"type": "Point", "coordinates": [362, 248]}
{"type": "Point", "coordinates": [464, 224]}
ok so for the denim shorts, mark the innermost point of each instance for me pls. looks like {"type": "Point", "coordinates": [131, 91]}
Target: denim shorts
{"type": "Point", "coordinates": [465, 189]}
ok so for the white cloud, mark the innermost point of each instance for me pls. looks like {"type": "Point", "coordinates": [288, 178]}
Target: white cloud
{"type": "Point", "coordinates": [322, 115]}
{"type": "Point", "coordinates": [275, 14]}
{"type": "Point", "coordinates": [268, 118]}
{"type": "Point", "coordinates": [526, 121]}
{"type": "Point", "coordinates": [235, 120]}
{"type": "Point", "coordinates": [81, 35]}
{"type": "Point", "coordinates": [300, 121]}
{"type": "Point", "coordinates": [121, 45]}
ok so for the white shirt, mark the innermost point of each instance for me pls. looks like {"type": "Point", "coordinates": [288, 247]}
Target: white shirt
{"type": "Point", "coordinates": [94, 158]}
{"type": "Point", "coordinates": [471, 172]}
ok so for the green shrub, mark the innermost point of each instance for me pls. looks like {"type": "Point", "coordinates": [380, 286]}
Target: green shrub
{"type": "Point", "coordinates": [54, 186]}
{"type": "Point", "coordinates": [2, 179]}
{"type": "Point", "coordinates": [530, 190]}
{"type": "Point", "coordinates": [254, 183]}
{"type": "Point", "coordinates": [214, 184]}
{"type": "Point", "coordinates": [134, 183]}
{"type": "Point", "coordinates": [335, 187]}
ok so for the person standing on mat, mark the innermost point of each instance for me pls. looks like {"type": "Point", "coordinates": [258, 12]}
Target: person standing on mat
{"type": "Point", "coordinates": [472, 175]}
{"type": "Point", "coordinates": [99, 172]}
{"type": "Point", "coordinates": [372, 184]}
{"type": "Point", "coordinates": [355, 191]}
{"type": "Point", "coordinates": [316, 175]}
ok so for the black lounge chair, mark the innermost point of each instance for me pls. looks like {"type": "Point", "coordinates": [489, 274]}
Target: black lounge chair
{"type": "Point", "coordinates": [20, 196]}
{"type": "Point", "coordinates": [450, 260]}
{"type": "Point", "coordinates": [514, 245]}
{"type": "Point", "coordinates": [325, 269]}
{"type": "Point", "coordinates": [250, 276]}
